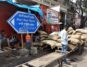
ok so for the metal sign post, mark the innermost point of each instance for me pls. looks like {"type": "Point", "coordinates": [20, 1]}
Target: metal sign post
{"type": "Point", "coordinates": [31, 39]}
{"type": "Point", "coordinates": [22, 40]}
{"type": "Point", "coordinates": [23, 23]}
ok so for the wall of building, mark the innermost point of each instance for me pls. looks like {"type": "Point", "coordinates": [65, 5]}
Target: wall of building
{"type": "Point", "coordinates": [6, 11]}
{"type": "Point", "coordinates": [46, 26]}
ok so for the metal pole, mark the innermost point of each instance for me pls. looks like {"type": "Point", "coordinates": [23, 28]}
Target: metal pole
{"type": "Point", "coordinates": [22, 41]}
{"type": "Point", "coordinates": [31, 39]}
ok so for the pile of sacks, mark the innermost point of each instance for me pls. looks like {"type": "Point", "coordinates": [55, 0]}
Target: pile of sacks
{"type": "Point", "coordinates": [43, 35]}
{"type": "Point", "coordinates": [53, 41]}
{"type": "Point", "coordinates": [77, 37]}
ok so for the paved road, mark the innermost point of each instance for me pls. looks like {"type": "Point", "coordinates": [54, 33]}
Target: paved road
{"type": "Point", "coordinates": [11, 62]}
{"type": "Point", "coordinates": [16, 60]}
{"type": "Point", "coordinates": [80, 62]}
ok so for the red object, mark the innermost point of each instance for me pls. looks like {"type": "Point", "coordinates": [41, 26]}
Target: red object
{"type": "Point", "coordinates": [6, 11]}
{"type": "Point", "coordinates": [48, 28]}
{"type": "Point", "coordinates": [44, 8]}
{"type": "Point", "coordinates": [27, 37]}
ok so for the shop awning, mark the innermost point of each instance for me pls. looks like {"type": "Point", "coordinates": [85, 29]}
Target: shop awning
{"type": "Point", "coordinates": [56, 8]}
{"type": "Point", "coordinates": [59, 8]}
{"type": "Point", "coordinates": [33, 8]}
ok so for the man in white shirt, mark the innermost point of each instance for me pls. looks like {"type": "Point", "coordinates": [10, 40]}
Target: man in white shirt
{"type": "Point", "coordinates": [64, 41]}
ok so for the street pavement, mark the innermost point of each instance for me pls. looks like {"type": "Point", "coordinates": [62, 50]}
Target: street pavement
{"type": "Point", "coordinates": [12, 61]}
{"type": "Point", "coordinates": [16, 60]}
{"type": "Point", "coordinates": [81, 60]}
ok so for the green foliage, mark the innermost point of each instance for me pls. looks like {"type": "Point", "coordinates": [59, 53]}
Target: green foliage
{"type": "Point", "coordinates": [66, 1]}
{"type": "Point", "coordinates": [85, 10]}
{"type": "Point", "coordinates": [85, 3]}
{"type": "Point", "coordinates": [85, 6]}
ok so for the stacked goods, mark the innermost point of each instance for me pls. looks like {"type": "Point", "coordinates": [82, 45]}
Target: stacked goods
{"type": "Point", "coordinates": [51, 43]}
{"type": "Point", "coordinates": [53, 40]}
{"type": "Point", "coordinates": [59, 40]}
{"type": "Point", "coordinates": [71, 47]}
{"type": "Point", "coordinates": [86, 42]}
{"type": "Point", "coordinates": [83, 31]}
{"type": "Point", "coordinates": [83, 34]}
{"type": "Point", "coordinates": [78, 36]}
{"type": "Point", "coordinates": [42, 32]}
{"type": "Point", "coordinates": [53, 37]}
{"type": "Point", "coordinates": [43, 35]}
{"type": "Point", "coordinates": [84, 37]}
{"type": "Point", "coordinates": [75, 38]}
{"type": "Point", "coordinates": [70, 30]}
{"type": "Point", "coordinates": [74, 41]}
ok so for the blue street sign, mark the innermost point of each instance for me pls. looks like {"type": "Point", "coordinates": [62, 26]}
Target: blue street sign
{"type": "Point", "coordinates": [23, 22]}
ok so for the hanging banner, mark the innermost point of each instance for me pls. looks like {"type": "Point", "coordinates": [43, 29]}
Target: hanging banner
{"type": "Point", "coordinates": [52, 16]}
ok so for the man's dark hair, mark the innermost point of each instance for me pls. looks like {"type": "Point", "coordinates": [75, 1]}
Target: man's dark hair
{"type": "Point", "coordinates": [66, 27]}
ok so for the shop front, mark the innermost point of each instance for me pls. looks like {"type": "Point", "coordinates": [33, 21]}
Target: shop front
{"type": "Point", "coordinates": [6, 11]}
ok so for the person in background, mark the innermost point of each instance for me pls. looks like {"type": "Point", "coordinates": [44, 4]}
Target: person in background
{"type": "Point", "coordinates": [2, 34]}
{"type": "Point", "coordinates": [14, 41]}
{"type": "Point", "coordinates": [3, 40]}
{"type": "Point", "coordinates": [36, 36]}
{"type": "Point", "coordinates": [1, 37]}
{"type": "Point", "coordinates": [28, 42]}
{"type": "Point", "coordinates": [64, 41]}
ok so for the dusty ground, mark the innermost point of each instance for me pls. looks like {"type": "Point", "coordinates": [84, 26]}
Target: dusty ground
{"type": "Point", "coordinates": [12, 61]}
{"type": "Point", "coordinates": [81, 60]}
{"type": "Point", "coordinates": [16, 60]}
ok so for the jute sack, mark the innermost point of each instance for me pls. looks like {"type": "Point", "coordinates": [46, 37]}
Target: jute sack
{"type": "Point", "coordinates": [74, 41]}
{"type": "Point", "coordinates": [51, 43]}
{"type": "Point", "coordinates": [86, 42]}
{"type": "Point", "coordinates": [58, 45]}
{"type": "Point", "coordinates": [71, 47]}
{"type": "Point", "coordinates": [70, 28]}
{"type": "Point", "coordinates": [83, 36]}
{"type": "Point", "coordinates": [74, 32]}
{"type": "Point", "coordinates": [43, 37]}
{"type": "Point", "coordinates": [69, 36]}
{"type": "Point", "coordinates": [42, 32]}
{"type": "Point", "coordinates": [84, 31]}
{"type": "Point", "coordinates": [70, 32]}
{"type": "Point", "coordinates": [78, 33]}
{"type": "Point", "coordinates": [59, 40]}
{"type": "Point", "coordinates": [75, 36]}
{"type": "Point", "coordinates": [55, 37]}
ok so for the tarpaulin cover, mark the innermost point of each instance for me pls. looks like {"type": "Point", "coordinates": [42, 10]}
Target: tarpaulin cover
{"type": "Point", "coordinates": [33, 8]}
